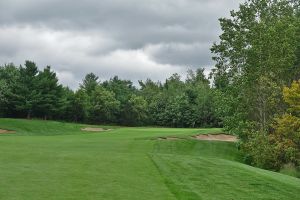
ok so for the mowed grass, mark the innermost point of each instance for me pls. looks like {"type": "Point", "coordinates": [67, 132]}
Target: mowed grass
{"type": "Point", "coordinates": [54, 160]}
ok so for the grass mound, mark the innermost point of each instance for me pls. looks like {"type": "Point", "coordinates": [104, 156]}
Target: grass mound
{"type": "Point", "coordinates": [42, 127]}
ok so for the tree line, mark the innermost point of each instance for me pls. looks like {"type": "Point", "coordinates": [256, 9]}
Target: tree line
{"type": "Point", "coordinates": [27, 92]}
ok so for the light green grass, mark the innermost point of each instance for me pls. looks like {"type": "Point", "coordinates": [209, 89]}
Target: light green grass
{"type": "Point", "coordinates": [53, 160]}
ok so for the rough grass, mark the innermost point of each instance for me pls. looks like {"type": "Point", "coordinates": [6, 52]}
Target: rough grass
{"type": "Point", "coordinates": [53, 160]}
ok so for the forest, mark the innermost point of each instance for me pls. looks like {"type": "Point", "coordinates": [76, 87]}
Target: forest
{"type": "Point", "coordinates": [29, 93]}
{"type": "Point", "coordinates": [252, 92]}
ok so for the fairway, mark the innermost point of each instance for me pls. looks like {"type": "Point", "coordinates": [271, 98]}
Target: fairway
{"type": "Point", "coordinates": [58, 161]}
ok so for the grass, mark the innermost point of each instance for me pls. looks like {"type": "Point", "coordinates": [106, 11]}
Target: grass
{"type": "Point", "coordinates": [291, 170]}
{"type": "Point", "coordinates": [53, 160]}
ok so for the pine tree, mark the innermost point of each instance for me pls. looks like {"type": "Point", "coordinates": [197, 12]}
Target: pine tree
{"type": "Point", "coordinates": [49, 93]}
{"type": "Point", "coordinates": [26, 94]}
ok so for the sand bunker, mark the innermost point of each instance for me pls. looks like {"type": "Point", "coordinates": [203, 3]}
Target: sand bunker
{"type": "Point", "coordinates": [169, 138]}
{"type": "Point", "coordinates": [216, 137]}
{"type": "Point", "coordinates": [3, 131]}
{"type": "Point", "coordinates": [91, 129]}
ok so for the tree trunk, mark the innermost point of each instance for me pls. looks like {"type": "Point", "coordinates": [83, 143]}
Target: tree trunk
{"type": "Point", "coordinates": [28, 114]}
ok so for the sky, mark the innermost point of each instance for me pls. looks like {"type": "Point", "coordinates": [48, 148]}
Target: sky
{"type": "Point", "coordinates": [133, 39]}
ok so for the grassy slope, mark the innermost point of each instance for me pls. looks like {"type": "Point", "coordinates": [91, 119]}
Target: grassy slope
{"type": "Point", "coordinates": [40, 127]}
{"type": "Point", "coordinates": [127, 163]}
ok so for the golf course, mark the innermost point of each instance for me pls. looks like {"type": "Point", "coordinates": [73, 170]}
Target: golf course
{"type": "Point", "coordinates": [55, 160]}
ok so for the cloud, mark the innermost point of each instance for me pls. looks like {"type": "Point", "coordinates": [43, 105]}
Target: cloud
{"type": "Point", "coordinates": [137, 64]}
{"type": "Point", "coordinates": [129, 38]}
{"type": "Point", "coordinates": [185, 54]}
{"type": "Point", "coordinates": [70, 55]}
{"type": "Point", "coordinates": [67, 78]}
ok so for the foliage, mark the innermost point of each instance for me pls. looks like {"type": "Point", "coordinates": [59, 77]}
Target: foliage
{"type": "Point", "coordinates": [257, 55]}
{"type": "Point", "coordinates": [255, 58]}
{"type": "Point", "coordinates": [79, 106]}
{"type": "Point", "coordinates": [49, 93]}
{"type": "Point", "coordinates": [292, 97]}
{"type": "Point", "coordinates": [287, 139]}
{"type": "Point", "coordinates": [281, 146]}
{"type": "Point", "coordinates": [26, 95]}
{"type": "Point", "coordinates": [89, 83]}
{"type": "Point", "coordinates": [26, 91]}
{"type": "Point", "coordinates": [104, 106]}
{"type": "Point", "coordinates": [135, 111]}
{"type": "Point", "coordinates": [287, 127]}
{"type": "Point", "coordinates": [9, 76]}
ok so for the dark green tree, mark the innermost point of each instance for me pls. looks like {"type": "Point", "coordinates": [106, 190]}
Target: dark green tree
{"type": "Point", "coordinates": [104, 106]}
{"type": "Point", "coordinates": [135, 111]}
{"type": "Point", "coordinates": [123, 89]}
{"type": "Point", "coordinates": [89, 83]}
{"type": "Point", "coordinates": [26, 93]}
{"type": "Point", "coordinates": [50, 94]}
{"type": "Point", "coordinates": [80, 106]}
{"type": "Point", "coordinates": [65, 105]}
{"type": "Point", "coordinates": [9, 77]}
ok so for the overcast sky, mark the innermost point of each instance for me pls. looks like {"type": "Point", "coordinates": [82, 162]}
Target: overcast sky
{"type": "Point", "coordinates": [133, 39]}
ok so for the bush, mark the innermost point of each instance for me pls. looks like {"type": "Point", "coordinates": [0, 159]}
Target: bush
{"type": "Point", "coordinates": [260, 152]}
{"type": "Point", "coordinates": [277, 148]}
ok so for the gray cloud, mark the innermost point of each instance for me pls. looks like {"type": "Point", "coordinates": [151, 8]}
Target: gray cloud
{"type": "Point", "coordinates": [130, 38]}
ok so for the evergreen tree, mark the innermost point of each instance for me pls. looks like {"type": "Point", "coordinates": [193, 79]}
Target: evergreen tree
{"type": "Point", "coordinates": [89, 83]}
{"type": "Point", "coordinates": [26, 93]}
{"type": "Point", "coordinates": [49, 93]}
{"type": "Point", "coordinates": [80, 106]}
{"type": "Point", "coordinates": [9, 77]}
